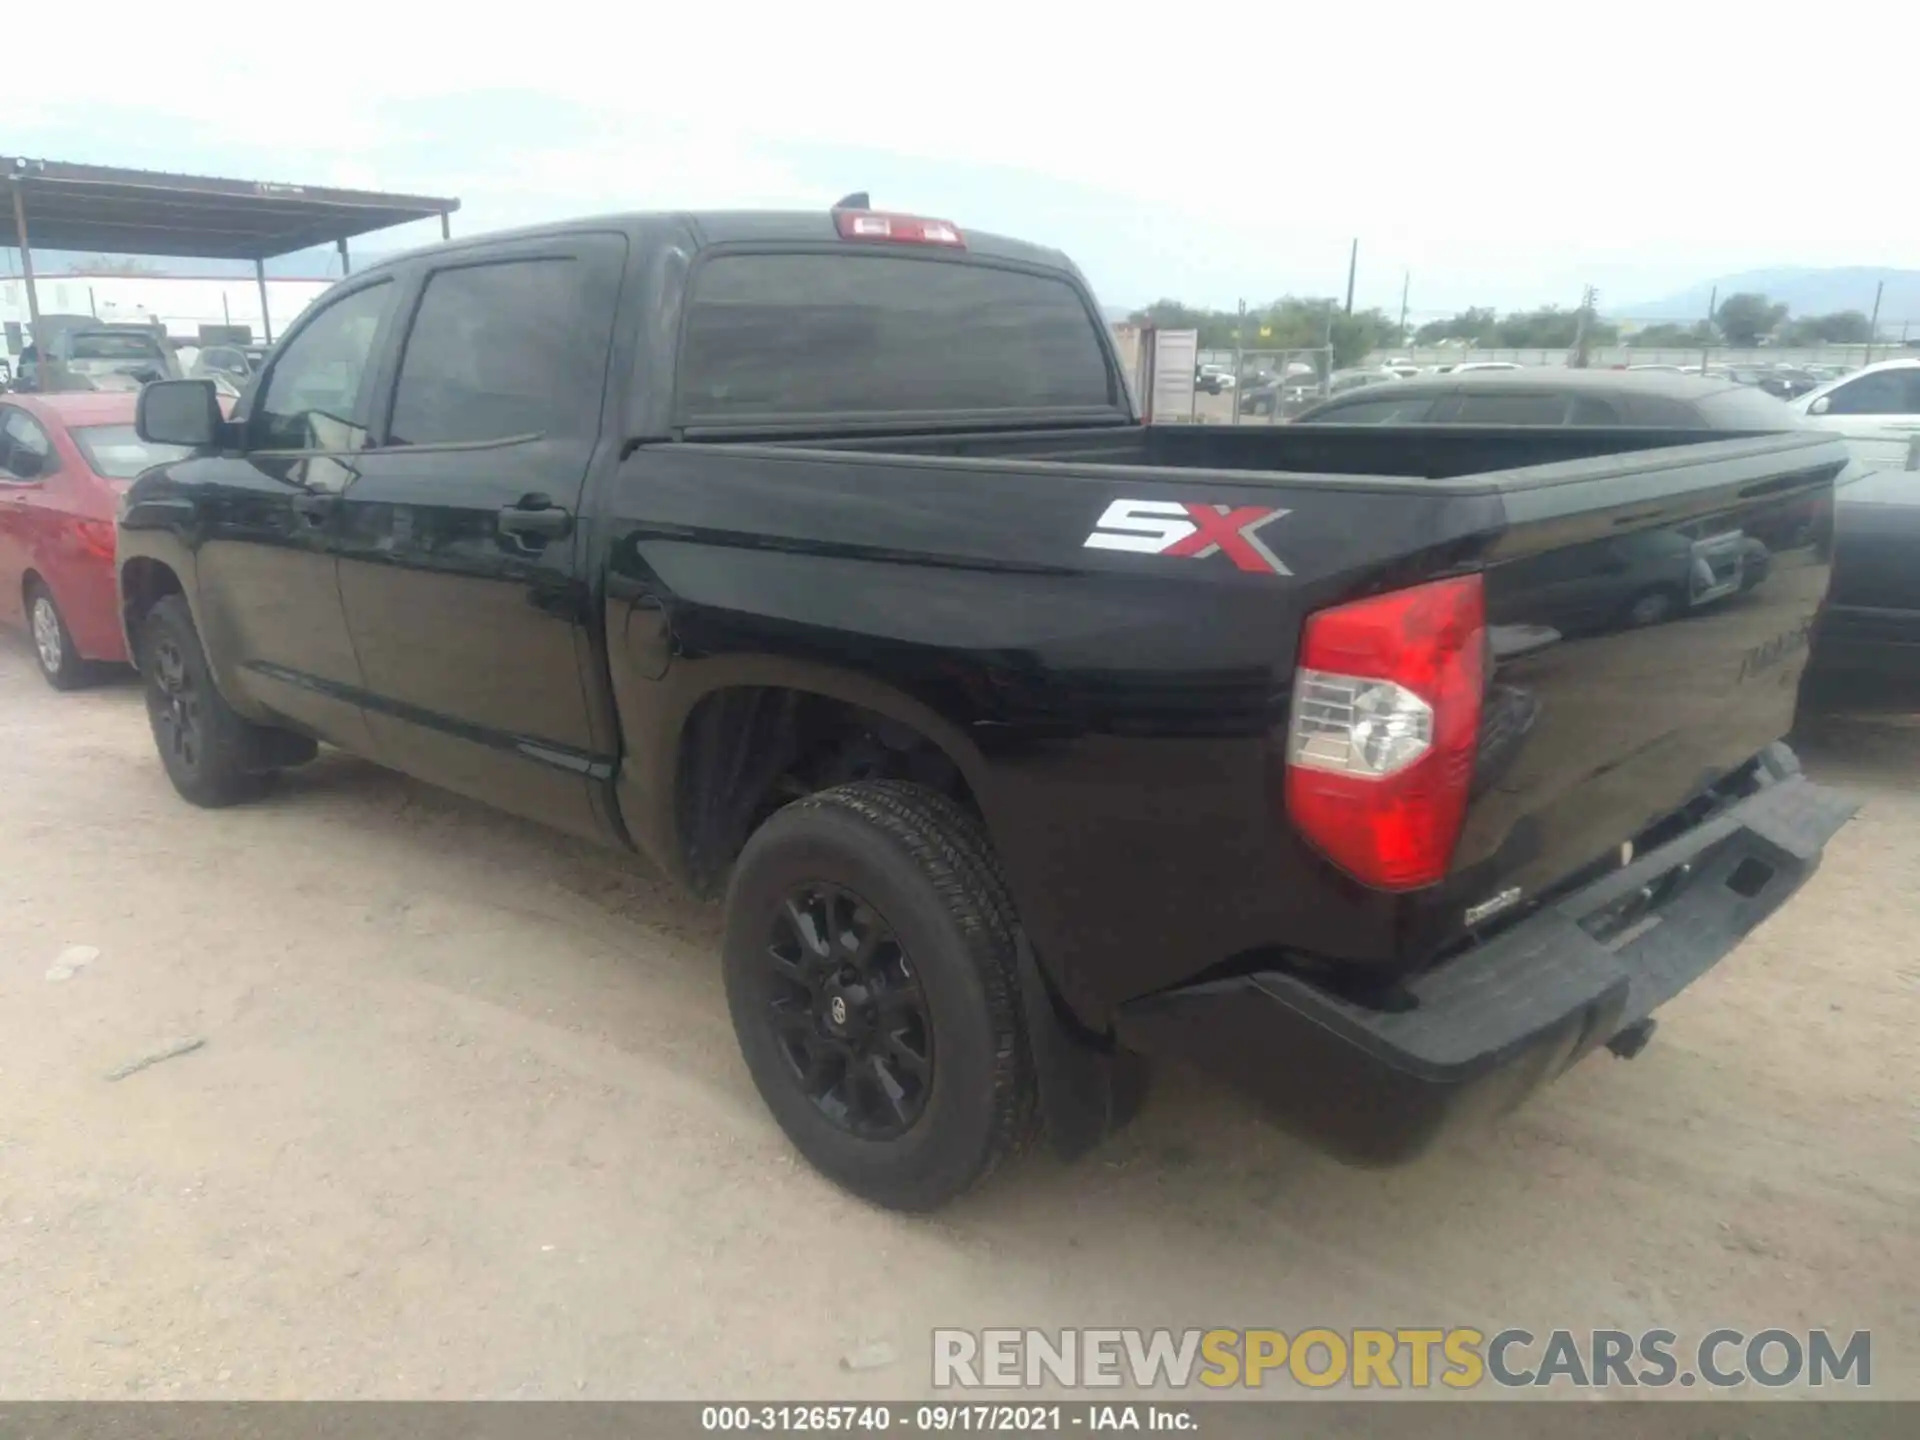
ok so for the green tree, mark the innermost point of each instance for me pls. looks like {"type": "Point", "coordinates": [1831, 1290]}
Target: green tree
{"type": "Point", "coordinates": [1670, 335]}
{"type": "Point", "coordinates": [1842, 327]}
{"type": "Point", "coordinates": [1473, 325]}
{"type": "Point", "coordinates": [1745, 319]}
{"type": "Point", "coordinates": [1288, 323]}
{"type": "Point", "coordinates": [1360, 334]}
{"type": "Point", "coordinates": [1550, 328]}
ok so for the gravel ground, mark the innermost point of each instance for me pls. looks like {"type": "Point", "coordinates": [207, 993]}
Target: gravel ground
{"type": "Point", "coordinates": [467, 1120]}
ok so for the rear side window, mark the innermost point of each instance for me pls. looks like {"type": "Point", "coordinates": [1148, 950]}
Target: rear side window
{"type": "Point", "coordinates": [1589, 410]}
{"type": "Point", "coordinates": [1406, 410]}
{"type": "Point", "coordinates": [781, 337]}
{"type": "Point", "coordinates": [496, 352]}
{"type": "Point", "coordinates": [1663, 413]}
{"type": "Point", "coordinates": [1515, 408]}
{"type": "Point", "coordinates": [25, 451]}
{"type": "Point", "coordinates": [1741, 407]}
{"type": "Point", "coordinates": [97, 346]}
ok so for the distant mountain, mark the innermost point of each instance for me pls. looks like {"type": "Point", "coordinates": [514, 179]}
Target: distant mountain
{"type": "Point", "coordinates": [1802, 291]}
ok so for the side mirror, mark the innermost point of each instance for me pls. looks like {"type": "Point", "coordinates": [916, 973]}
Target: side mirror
{"type": "Point", "coordinates": [179, 412]}
{"type": "Point", "coordinates": [25, 465]}
{"type": "Point", "coordinates": [1820, 406]}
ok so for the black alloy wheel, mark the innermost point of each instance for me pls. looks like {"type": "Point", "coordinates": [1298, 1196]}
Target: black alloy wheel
{"type": "Point", "coordinates": [175, 706]}
{"type": "Point", "coordinates": [847, 1012]}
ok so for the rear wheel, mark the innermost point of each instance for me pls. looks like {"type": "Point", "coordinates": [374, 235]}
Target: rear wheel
{"type": "Point", "coordinates": [213, 756]}
{"type": "Point", "coordinates": [53, 648]}
{"type": "Point", "coordinates": [870, 972]}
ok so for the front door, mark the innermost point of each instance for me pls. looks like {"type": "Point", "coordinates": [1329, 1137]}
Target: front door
{"type": "Point", "coordinates": [459, 569]}
{"type": "Point", "coordinates": [268, 591]}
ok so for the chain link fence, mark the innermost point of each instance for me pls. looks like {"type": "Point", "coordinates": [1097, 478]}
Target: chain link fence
{"type": "Point", "coordinates": [1258, 387]}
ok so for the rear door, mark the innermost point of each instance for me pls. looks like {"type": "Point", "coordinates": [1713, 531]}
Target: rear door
{"type": "Point", "coordinates": [459, 569]}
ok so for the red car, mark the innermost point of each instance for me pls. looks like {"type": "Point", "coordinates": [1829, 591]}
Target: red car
{"type": "Point", "coordinates": [64, 459]}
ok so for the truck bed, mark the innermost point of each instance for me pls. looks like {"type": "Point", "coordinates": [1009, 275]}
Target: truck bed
{"type": "Point", "coordinates": [1131, 706]}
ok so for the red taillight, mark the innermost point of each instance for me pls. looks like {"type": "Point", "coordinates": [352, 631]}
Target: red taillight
{"type": "Point", "coordinates": [1385, 728]}
{"type": "Point", "coordinates": [901, 229]}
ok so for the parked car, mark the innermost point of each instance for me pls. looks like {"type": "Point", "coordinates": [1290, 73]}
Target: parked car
{"type": "Point", "coordinates": [231, 361]}
{"type": "Point", "coordinates": [1789, 382]}
{"type": "Point", "coordinates": [1467, 365]}
{"type": "Point", "coordinates": [1877, 409]}
{"type": "Point", "coordinates": [1213, 379]}
{"type": "Point", "coordinates": [1021, 738]}
{"type": "Point", "coordinates": [64, 459]}
{"type": "Point", "coordinates": [1868, 654]}
{"type": "Point", "coordinates": [105, 357]}
{"type": "Point", "coordinates": [1289, 394]}
{"type": "Point", "coordinates": [1557, 395]}
{"type": "Point", "coordinates": [1644, 579]}
{"type": "Point", "coordinates": [1343, 381]}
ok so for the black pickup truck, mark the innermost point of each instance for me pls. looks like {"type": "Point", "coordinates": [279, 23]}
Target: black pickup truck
{"type": "Point", "coordinates": [821, 559]}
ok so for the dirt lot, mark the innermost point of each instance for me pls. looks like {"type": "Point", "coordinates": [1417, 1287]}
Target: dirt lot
{"type": "Point", "coordinates": [468, 1121]}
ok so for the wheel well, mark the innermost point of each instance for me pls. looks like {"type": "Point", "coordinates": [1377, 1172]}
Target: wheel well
{"type": "Point", "coordinates": [142, 583]}
{"type": "Point", "coordinates": [747, 750]}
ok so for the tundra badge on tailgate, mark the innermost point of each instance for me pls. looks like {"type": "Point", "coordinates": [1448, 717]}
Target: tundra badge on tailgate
{"type": "Point", "coordinates": [1174, 527]}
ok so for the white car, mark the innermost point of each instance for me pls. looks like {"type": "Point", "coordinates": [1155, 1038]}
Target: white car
{"type": "Point", "coordinates": [1877, 409]}
{"type": "Point", "coordinates": [1466, 365]}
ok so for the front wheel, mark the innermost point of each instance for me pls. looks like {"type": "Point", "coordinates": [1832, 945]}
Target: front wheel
{"type": "Point", "coordinates": [213, 756]}
{"type": "Point", "coordinates": [870, 973]}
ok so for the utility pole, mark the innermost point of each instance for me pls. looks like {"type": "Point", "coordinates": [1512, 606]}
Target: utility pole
{"type": "Point", "coordinates": [1406, 279]}
{"type": "Point", "coordinates": [1353, 263]}
{"type": "Point", "coordinates": [1239, 346]}
{"type": "Point", "coordinates": [1706, 351]}
{"type": "Point", "coordinates": [1582, 328]}
{"type": "Point", "coordinates": [1873, 325]}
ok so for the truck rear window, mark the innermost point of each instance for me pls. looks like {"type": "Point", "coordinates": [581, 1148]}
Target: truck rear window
{"type": "Point", "coordinates": [97, 346]}
{"type": "Point", "coordinates": [774, 338]}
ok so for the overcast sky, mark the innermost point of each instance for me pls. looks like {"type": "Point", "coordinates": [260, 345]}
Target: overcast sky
{"type": "Point", "coordinates": [1504, 154]}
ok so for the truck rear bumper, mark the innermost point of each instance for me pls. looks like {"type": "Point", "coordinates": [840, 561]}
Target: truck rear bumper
{"type": "Point", "coordinates": [1476, 1034]}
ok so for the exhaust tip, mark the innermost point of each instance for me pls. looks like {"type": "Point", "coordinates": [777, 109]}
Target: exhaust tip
{"type": "Point", "coordinates": [1632, 1040]}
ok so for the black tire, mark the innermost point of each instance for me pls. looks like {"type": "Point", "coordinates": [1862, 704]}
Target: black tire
{"type": "Point", "coordinates": [54, 654]}
{"type": "Point", "coordinates": [1650, 607]}
{"type": "Point", "coordinates": [213, 756]}
{"type": "Point", "coordinates": [922, 868]}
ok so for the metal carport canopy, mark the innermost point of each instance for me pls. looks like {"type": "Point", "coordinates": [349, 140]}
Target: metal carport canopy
{"type": "Point", "coordinates": [99, 208]}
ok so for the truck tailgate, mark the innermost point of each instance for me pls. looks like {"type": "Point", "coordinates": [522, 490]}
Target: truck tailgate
{"type": "Point", "coordinates": [1648, 636]}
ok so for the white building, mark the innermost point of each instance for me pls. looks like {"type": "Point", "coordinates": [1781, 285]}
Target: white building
{"type": "Point", "coordinates": [180, 302]}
